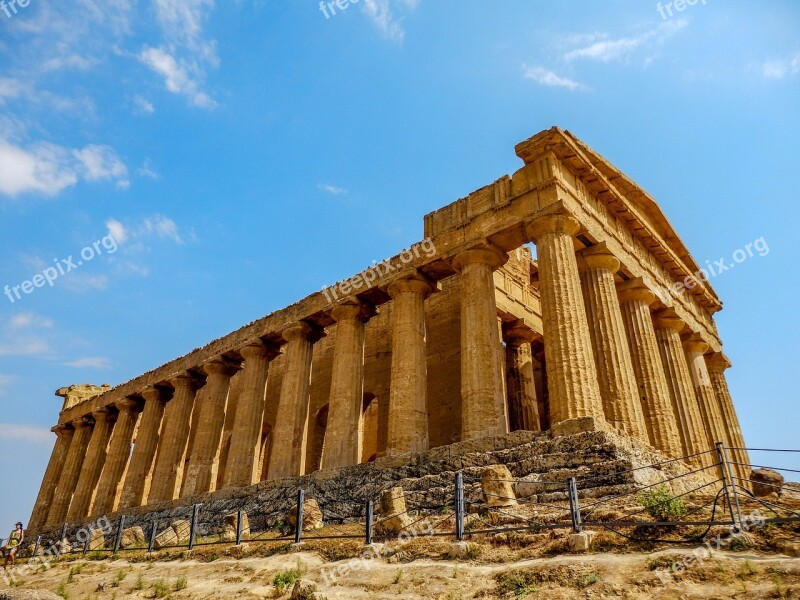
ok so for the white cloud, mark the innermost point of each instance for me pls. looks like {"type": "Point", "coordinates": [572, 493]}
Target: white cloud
{"type": "Point", "coordinates": [49, 168]}
{"type": "Point", "coordinates": [84, 282]}
{"type": "Point", "coordinates": [10, 88]}
{"type": "Point", "coordinates": [68, 61]}
{"type": "Point", "coordinates": [382, 16]}
{"type": "Point", "coordinates": [143, 105]}
{"type": "Point", "coordinates": [164, 227]}
{"type": "Point", "coordinates": [777, 69]}
{"type": "Point", "coordinates": [332, 189]}
{"type": "Point", "coordinates": [4, 381]}
{"type": "Point", "coordinates": [607, 50]}
{"type": "Point", "coordinates": [90, 362]}
{"type": "Point", "coordinates": [146, 171]}
{"type": "Point", "coordinates": [26, 433]}
{"type": "Point", "coordinates": [117, 231]}
{"type": "Point", "coordinates": [549, 78]}
{"type": "Point", "coordinates": [176, 76]}
{"type": "Point", "coordinates": [30, 320]}
{"type": "Point", "coordinates": [19, 345]}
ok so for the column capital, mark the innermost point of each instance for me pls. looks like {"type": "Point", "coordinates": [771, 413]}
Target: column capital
{"type": "Point", "coordinates": [218, 366]}
{"type": "Point", "coordinates": [353, 310]}
{"type": "Point", "coordinates": [302, 330]}
{"type": "Point", "coordinates": [554, 219]}
{"type": "Point", "coordinates": [151, 394]}
{"type": "Point", "coordinates": [258, 349]}
{"type": "Point", "coordinates": [102, 414]}
{"type": "Point", "coordinates": [82, 422]}
{"type": "Point", "coordinates": [718, 362]}
{"type": "Point", "coordinates": [668, 319]}
{"type": "Point", "coordinates": [694, 343]}
{"type": "Point", "coordinates": [416, 284]}
{"type": "Point", "coordinates": [483, 253]}
{"type": "Point", "coordinates": [181, 380]}
{"type": "Point", "coordinates": [598, 257]}
{"type": "Point", "coordinates": [635, 289]}
{"type": "Point", "coordinates": [516, 332]}
{"type": "Point", "coordinates": [62, 428]}
{"type": "Point", "coordinates": [127, 405]}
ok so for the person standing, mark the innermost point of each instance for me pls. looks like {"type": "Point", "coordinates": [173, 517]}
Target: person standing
{"type": "Point", "coordinates": [13, 544]}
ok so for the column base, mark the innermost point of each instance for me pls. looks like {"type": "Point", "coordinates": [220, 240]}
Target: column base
{"type": "Point", "coordinates": [579, 425]}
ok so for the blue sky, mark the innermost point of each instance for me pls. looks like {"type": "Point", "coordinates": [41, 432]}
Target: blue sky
{"type": "Point", "coordinates": [247, 153]}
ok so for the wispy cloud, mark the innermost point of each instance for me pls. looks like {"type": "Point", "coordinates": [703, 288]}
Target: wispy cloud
{"type": "Point", "coordinates": [90, 362]}
{"type": "Point", "coordinates": [331, 189]}
{"type": "Point", "coordinates": [780, 68]}
{"type": "Point", "coordinates": [4, 381]}
{"type": "Point", "coordinates": [26, 433]}
{"type": "Point", "coordinates": [27, 320]}
{"type": "Point", "coordinates": [550, 79]}
{"type": "Point", "coordinates": [23, 334]}
{"type": "Point", "coordinates": [177, 77]}
{"type": "Point", "coordinates": [381, 13]}
{"type": "Point", "coordinates": [608, 49]}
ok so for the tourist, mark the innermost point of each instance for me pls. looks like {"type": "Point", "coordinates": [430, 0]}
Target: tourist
{"type": "Point", "coordinates": [15, 540]}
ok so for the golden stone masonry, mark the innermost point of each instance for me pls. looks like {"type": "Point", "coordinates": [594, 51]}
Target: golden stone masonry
{"type": "Point", "coordinates": [472, 338]}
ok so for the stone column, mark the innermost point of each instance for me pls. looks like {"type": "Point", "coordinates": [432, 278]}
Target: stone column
{"type": "Point", "coordinates": [92, 465]}
{"type": "Point", "coordinates": [134, 490]}
{"type": "Point", "coordinates": [571, 371]}
{"type": "Point", "coordinates": [482, 400]}
{"type": "Point", "coordinates": [174, 439]}
{"type": "Point", "coordinates": [71, 471]}
{"type": "Point", "coordinates": [523, 409]}
{"type": "Point", "coordinates": [615, 373]}
{"type": "Point", "coordinates": [119, 451]}
{"type": "Point", "coordinates": [343, 436]}
{"type": "Point", "coordinates": [289, 435]}
{"type": "Point", "coordinates": [64, 433]}
{"type": "Point", "coordinates": [709, 408]}
{"type": "Point", "coordinates": [243, 466]}
{"type": "Point", "coordinates": [201, 476]}
{"type": "Point", "coordinates": [684, 402]}
{"type": "Point", "coordinates": [717, 363]}
{"type": "Point", "coordinates": [662, 426]}
{"type": "Point", "coordinates": [408, 406]}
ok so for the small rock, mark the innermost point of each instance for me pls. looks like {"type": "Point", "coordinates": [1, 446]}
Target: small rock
{"type": "Point", "coordinates": [312, 516]}
{"type": "Point", "coordinates": [497, 485]}
{"type": "Point", "coordinates": [132, 537]}
{"type": "Point", "coordinates": [182, 530]}
{"type": "Point", "coordinates": [394, 517]}
{"type": "Point", "coordinates": [580, 542]}
{"type": "Point", "coordinates": [772, 479]}
{"type": "Point", "coordinates": [458, 550]}
{"type": "Point", "coordinates": [303, 590]}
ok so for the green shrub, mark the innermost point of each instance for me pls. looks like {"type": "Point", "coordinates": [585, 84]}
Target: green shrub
{"type": "Point", "coordinates": [285, 579]}
{"type": "Point", "coordinates": [660, 504]}
{"type": "Point", "coordinates": [181, 583]}
{"type": "Point", "coordinates": [160, 589]}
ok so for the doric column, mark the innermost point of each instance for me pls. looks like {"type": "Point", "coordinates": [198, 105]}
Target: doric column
{"type": "Point", "coordinates": [71, 471]}
{"type": "Point", "coordinates": [119, 451]}
{"type": "Point", "coordinates": [717, 363]}
{"type": "Point", "coordinates": [709, 408]}
{"type": "Point", "coordinates": [92, 465]}
{"type": "Point", "coordinates": [408, 407]}
{"type": "Point", "coordinates": [612, 356]}
{"type": "Point", "coordinates": [684, 402]}
{"type": "Point", "coordinates": [287, 457]}
{"type": "Point", "coordinates": [523, 410]}
{"type": "Point", "coordinates": [571, 371]}
{"type": "Point", "coordinates": [343, 436]}
{"type": "Point", "coordinates": [64, 433]}
{"type": "Point", "coordinates": [174, 438]}
{"type": "Point", "coordinates": [201, 470]}
{"type": "Point", "coordinates": [134, 489]}
{"type": "Point", "coordinates": [662, 426]}
{"type": "Point", "coordinates": [483, 410]}
{"type": "Point", "coordinates": [242, 467]}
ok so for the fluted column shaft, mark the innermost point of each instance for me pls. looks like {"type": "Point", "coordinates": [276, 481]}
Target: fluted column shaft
{"type": "Point", "coordinates": [709, 408]}
{"type": "Point", "coordinates": [64, 433]}
{"type": "Point", "coordinates": [681, 390]}
{"type": "Point", "coordinates": [92, 465]}
{"type": "Point", "coordinates": [201, 470]}
{"type": "Point", "coordinates": [242, 466]}
{"type": "Point", "coordinates": [289, 435]}
{"type": "Point", "coordinates": [173, 441]}
{"type": "Point", "coordinates": [119, 451]}
{"type": "Point", "coordinates": [343, 437]}
{"type": "Point", "coordinates": [134, 489]}
{"type": "Point", "coordinates": [523, 410]}
{"type": "Point", "coordinates": [662, 426]}
{"type": "Point", "coordinates": [71, 471]}
{"type": "Point", "coordinates": [408, 406]}
{"type": "Point", "coordinates": [717, 363]}
{"type": "Point", "coordinates": [483, 411]}
{"type": "Point", "coordinates": [615, 373]}
{"type": "Point", "coordinates": [571, 370]}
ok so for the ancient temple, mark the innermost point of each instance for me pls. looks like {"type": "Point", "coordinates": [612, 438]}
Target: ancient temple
{"type": "Point", "coordinates": [463, 335]}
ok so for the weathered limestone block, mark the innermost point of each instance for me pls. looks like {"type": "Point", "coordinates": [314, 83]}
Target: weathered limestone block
{"type": "Point", "coordinates": [64, 547]}
{"type": "Point", "coordinates": [304, 590]}
{"type": "Point", "coordinates": [182, 530]}
{"type": "Point", "coordinates": [96, 539]}
{"type": "Point", "coordinates": [229, 532]}
{"type": "Point", "coordinates": [766, 483]}
{"type": "Point", "coordinates": [497, 485]}
{"type": "Point", "coordinates": [581, 542]}
{"type": "Point", "coordinates": [132, 537]}
{"type": "Point", "coordinates": [394, 517]}
{"type": "Point", "coordinates": [312, 516]}
{"type": "Point", "coordinates": [165, 538]}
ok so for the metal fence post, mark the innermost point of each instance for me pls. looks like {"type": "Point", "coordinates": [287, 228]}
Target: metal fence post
{"type": "Point", "coordinates": [118, 537]}
{"type": "Point", "coordinates": [152, 541]}
{"type": "Point", "coordinates": [239, 527]}
{"type": "Point", "coordinates": [193, 525]}
{"type": "Point", "coordinates": [574, 507]}
{"type": "Point", "coordinates": [368, 535]}
{"type": "Point", "coordinates": [731, 497]}
{"type": "Point", "coordinates": [298, 530]}
{"type": "Point", "coordinates": [36, 545]}
{"type": "Point", "coordinates": [64, 532]}
{"type": "Point", "coordinates": [460, 506]}
{"type": "Point", "coordinates": [88, 538]}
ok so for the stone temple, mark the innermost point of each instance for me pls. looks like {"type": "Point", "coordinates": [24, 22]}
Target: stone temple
{"type": "Point", "coordinates": [461, 337]}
